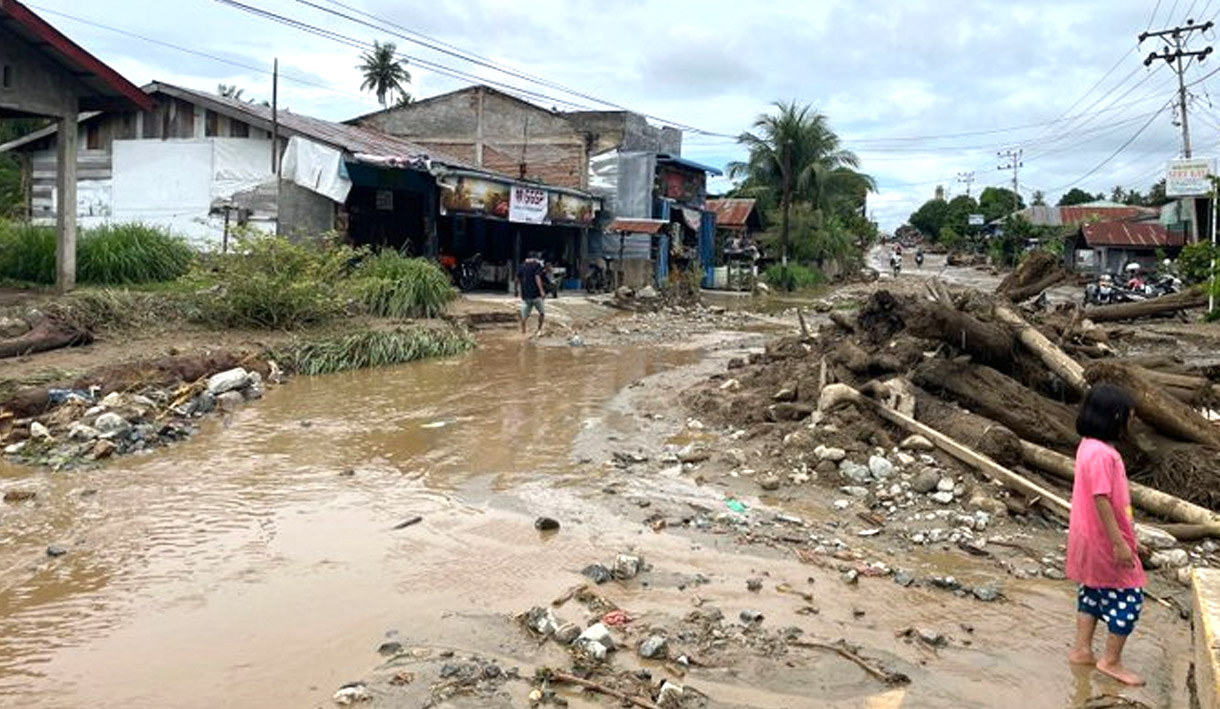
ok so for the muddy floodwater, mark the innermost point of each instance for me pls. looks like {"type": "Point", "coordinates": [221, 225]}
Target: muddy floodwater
{"type": "Point", "coordinates": [258, 564]}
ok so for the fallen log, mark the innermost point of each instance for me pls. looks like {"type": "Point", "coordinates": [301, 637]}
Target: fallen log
{"type": "Point", "coordinates": [45, 336]}
{"type": "Point", "coordinates": [987, 343]}
{"type": "Point", "coordinates": [841, 319]}
{"type": "Point", "coordinates": [993, 440]}
{"type": "Point", "coordinates": [1166, 304]}
{"type": "Point", "coordinates": [997, 397]}
{"type": "Point", "coordinates": [1155, 407]}
{"type": "Point", "coordinates": [836, 394]}
{"type": "Point", "coordinates": [1143, 497]}
{"type": "Point", "coordinates": [1038, 267]}
{"type": "Point", "coordinates": [1017, 295]}
{"type": "Point", "coordinates": [1066, 368]}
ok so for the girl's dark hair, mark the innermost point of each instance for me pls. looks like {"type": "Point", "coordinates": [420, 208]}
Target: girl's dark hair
{"type": "Point", "coordinates": [1104, 412]}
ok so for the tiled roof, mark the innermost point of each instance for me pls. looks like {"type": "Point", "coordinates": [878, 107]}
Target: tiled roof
{"type": "Point", "coordinates": [1131, 234]}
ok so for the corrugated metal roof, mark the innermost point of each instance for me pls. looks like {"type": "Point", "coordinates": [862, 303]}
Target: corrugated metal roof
{"type": "Point", "coordinates": [664, 158]}
{"type": "Point", "coordinates": [731, 213]}
{"type": "Point", "coordinates": [1108, 211]}
{"type": "Point", "coordinates": [637, 226]}
{"type": "Point", "coordinates": [1131, 234]}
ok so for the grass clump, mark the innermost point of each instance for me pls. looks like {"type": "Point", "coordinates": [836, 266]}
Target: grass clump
{"type": "Point", "coordinates": [111, 255]}
{"type": "Point", "coordinates": [390, 285]}
{"type": "Point", "coordinates": [115, 309]}
{"type": "Point", "coordinates": [376, 348]}
{"type": "Point", "coordinates": [793, 277]}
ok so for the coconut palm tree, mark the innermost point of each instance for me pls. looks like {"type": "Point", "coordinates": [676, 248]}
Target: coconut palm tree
{"type": "Point", "coordinates": [384, 73]}
{"type": "Point", "coordinates": [794, 156]}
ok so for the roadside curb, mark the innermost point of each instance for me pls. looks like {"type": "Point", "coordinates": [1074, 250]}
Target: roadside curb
{"type": "Point", "coordinates": [1205, 592]}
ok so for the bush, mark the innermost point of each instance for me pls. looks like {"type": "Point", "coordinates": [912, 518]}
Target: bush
{"type": "Point", "coordinates": [388, 284]}
{"type": "Point", "coordinates": [119, 254]}
{"type": "Point", "coordinates": [271, 282]}
{"type": "Point", "coordinates": [1194, 264]}
{"type": "Point", "coordinates": [376, 348]}
{"type": "Point", "coordinates": [794, 276]}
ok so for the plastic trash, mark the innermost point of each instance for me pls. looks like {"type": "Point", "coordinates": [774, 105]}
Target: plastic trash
{"type": "Point", "coordinates": [735, 505]}
{"type": "Point", "coordinates": [63, 396]}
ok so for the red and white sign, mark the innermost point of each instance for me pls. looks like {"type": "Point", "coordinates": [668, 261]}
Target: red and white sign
{"type": "Point", "coordinates": [527, 205]}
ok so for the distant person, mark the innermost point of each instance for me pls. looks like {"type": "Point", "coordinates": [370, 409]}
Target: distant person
{"type": "Point", "coordinates": [532, 291]}
{"type": "Point", "coordinates": [1102, 552]}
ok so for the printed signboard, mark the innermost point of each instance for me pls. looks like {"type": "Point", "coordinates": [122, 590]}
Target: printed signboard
{"type": "Point", "coordinates": [1188, 177]}
{"type": "Point", "coordinates": [527, 205]}
{"type": "Point", "coordinates": [975, 220]}
{"type": "Point", "coordinates": [569, 209]}
{"type": "Point", "coordinates": [471, 194]}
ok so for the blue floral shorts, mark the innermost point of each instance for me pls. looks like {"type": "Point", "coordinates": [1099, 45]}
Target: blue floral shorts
{"type": "Point", "coordinates": [1118, 607]}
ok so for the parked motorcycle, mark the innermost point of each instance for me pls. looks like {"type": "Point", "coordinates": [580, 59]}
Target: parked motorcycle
{"type": "Point", "coordinates": [1101, 292]}
{"type": "Point", "coordinates": [596, 280]}
{"type": "Point", "coordinates": [469, 273]}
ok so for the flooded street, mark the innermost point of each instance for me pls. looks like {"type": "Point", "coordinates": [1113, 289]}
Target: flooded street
{"type": "Point", "coordinates": [258, 564]}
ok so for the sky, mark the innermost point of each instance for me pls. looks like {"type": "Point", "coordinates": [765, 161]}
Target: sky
{"type": "Point", "coordinates": [923, 92]}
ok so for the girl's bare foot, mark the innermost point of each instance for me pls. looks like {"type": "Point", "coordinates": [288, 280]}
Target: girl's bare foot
{"type": "Point", "coordinates": [1081, 657]}
{"type": "Point", "coordinates": [1120, 673]}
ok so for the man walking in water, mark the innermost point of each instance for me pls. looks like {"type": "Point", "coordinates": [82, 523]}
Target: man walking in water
{"type": "Point", "coordinates": [529, 287]}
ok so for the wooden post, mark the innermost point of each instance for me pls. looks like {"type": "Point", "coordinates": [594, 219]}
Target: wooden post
{"type": "Point", "coordinates": [65, 208]}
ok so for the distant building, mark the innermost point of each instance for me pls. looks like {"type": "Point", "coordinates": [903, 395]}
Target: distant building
{"type": "Point", "coordinates": [1107, 247]}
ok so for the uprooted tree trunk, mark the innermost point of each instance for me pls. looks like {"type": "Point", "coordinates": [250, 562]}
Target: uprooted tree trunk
{"type": "Point", "coordinates": [999, 398]}
{"type": "Point", "coordinates": [1164, 305]}
{"type": "Point", "coordinates": [993, 440]}
{"type": "Point", "coordinates": [1066, 368]}
{"type": "Point", "coordinates": [987, 343]}
{"type": "Point", "coordinates": [1035, 274]}
{"type": "Point", "coordinates": [45, 336]}
{"type": "Point", "coordinates": [1156, 407]}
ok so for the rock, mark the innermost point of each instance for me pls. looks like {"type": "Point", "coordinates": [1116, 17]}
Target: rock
{"type": "Point", "coordinates": [56, 550]}
{"type": "Point", "coordinates": [880, 467]}
{"type": "Point", "coordinates": [1054, 573]}
{"type": "Point", "coordinates": [111, 423]}
{"type": "Point", "coordinates": [842, 504]}
{"type": "Point", "coordinates": [597, 633]}
{"type": "Point", "coordinates": [1155, 539]}
{"type": "Point", "coordinates": [15, 448]}
{"type": "Point", "coordinates": [785, 394]}
{"type": "Point", "coordinates": [353, 693]}
{"type": "Point", "coordinates": [654, 647]}
{"type": "Point", "coordinates": [670, 696]}
{"type": "Point", "coordinates": [13, 327]}
{"type": "Point", "coordinates": [541, 620]}
{"type": "Point", "coordinates": [389, 648]}
{"type": "Point", "coordinates": [15, 496]}
{"type": "Point", "coordinates": [943, 498]}
{"type": "Point", "coordinates": [104, 448]}
{"type": "Point", "coordinates": [576, 341]}
{"type": "Point", "coordinates": [826, 467]}
{"type": "Point", "coordinates": [731, 385]}
{"type": "Point", "coordinates": [1169, 559]}
{"type": "Point", "coordinates": [647, 293]}
{"type": "Point", "coordinates": [592, 650]}
{"type": "Point", "coordinates": [82, 432]}
{"type": "Point", "coordinates": [205, 403]}
{"type": "Point", "coordinates": [228, 380]}
{"type": "Point", "coordinates": [1185, 575]}
{"type": "Point", "coordinates": [903, 578]}
{"type": "Point", "coordinates": [925, 481]}
{"type": "Point", "coordinates": [931, 637]}
{"type": "Point", "coordinates": [230, 401]}
{"type": "Point", "coordinates": [254, 391]}
{"type": "Point", "coordinates": [834, 455]}
{"type": "Point", "coordinates": [906, 460]}
{"type": "Point", "coordinates": [624, 293]}
{"type": "Point", "coordinates": [567, 633]}
{"type": "Point", "coordinates": [947, 583]}
{"type": "Point", "coordinates": [917, 443]}
{"type": "Point", "coordinates": [750, 616]}
{"type": "Point", "coordinates": [627, 566]}
{"type": "Point", "coordinates": [597, 573]}
{"type": "Point", "coordinates": [945, 484]}
{"type": "Point", "coordinates": [854, 472]}
{"type": "Point", "coordinates": [986, 593]}
{"type": "Point", "coordinates": [769, 483]}
{"type": "Point", "coordinates": [546, 524]}
{"type": "Point", "coordinates": [1207, 547]}
{"type": "Point", "coordinates": [985, 504]}
{"type": "Point", "coordinates": [854, 491]}
{"type": "Point", "coordinates": [789, 412]}
{"type": "Point", "coordinates": [694, 455]}
{"type": "Point", "coordinates": [111, 400]}
{"type": "Point", "coordinates": [851, 576]}
{"type": "Point", "coordinates": [754, 585]}
{"type": "Point", "coordinates": [39, 432]}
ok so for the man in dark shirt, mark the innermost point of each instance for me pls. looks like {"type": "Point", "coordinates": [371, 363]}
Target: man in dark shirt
{"type": "Point", "coordinates": [529, 287]}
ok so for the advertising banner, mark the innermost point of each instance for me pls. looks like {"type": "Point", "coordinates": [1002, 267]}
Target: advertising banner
{"type": "Point", "coordinates": [471, 194]}
{"type": "Point", "coordinates": [569, 209]}
{"type": "Point", "coordinates": [1188, 177]}
{"type": "Point", "coordinates": [527, 205]}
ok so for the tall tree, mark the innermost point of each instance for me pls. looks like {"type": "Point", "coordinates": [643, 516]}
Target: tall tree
{"type": "Point", "coordinates": [930, 218]}
{"type": "Point", "coordinates": [1156, 194]}
{"type": "Point", "coordinates": [795, 156]}
{"type": "Point", "coordinates": [996, 202]}
{"type": "Point", "coordinates": [384, 73]}
{"type": "Point", "coordinates": [1039, 198]}
{"type": "Point", "coordinates": [1073, 197]}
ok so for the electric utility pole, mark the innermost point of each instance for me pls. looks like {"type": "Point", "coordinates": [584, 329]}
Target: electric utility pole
{"type": "Point", "coordinates": [1014, 164]}
{"type": "Point", "coordinates": [967, 178]}
{"type": "Point", "coordinates": [1175, 54]}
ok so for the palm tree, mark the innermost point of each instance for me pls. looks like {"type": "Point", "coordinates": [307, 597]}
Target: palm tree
{"type": "Point", "coordinates": [384, 73]}
{"type": "Point", "coordinates": [795, 156]}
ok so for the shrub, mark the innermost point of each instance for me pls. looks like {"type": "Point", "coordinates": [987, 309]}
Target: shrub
{"type": "Point", "coordinates": [271, 282]}
{"type": "Point", "coordinates": [1194, 264]}
{"type": "Point", "coordinates": [27, 252]}
{"type": "Point", "coordinates": [387, 284]}
{"type": "Point", "coordinates": [794, 276]}
{"type": "Point", "coordinates": [376, 348]}
{"type": "Point", "coordinates": [118, 254]}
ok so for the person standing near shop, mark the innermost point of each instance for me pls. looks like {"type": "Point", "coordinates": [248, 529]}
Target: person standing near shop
{"type": "Point", "coordinates": [529, 286]}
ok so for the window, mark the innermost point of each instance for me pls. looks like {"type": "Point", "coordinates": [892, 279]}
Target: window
{"type": "Point", "coordinates": [211, 124]}
{"type": "Point", "coordinates": [93, 135]}
{"type": "Point", "coordinates": [6, 77]}
{"type": "Point", "coordinates": [239, 129]}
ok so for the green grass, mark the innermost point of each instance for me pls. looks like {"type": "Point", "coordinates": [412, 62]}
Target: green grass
{"type": "Point", "coordinates": [112, 255]}
{"type": "Point", "coordinates": [793, 277]}
{"type": "Point", "coordinates": [389, 285]}
{"type": "Point", "coordinates": [375, 348]}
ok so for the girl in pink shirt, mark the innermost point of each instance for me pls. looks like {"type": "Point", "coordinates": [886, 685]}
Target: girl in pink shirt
{"type": "Point", "coordinates": [1102, 550]}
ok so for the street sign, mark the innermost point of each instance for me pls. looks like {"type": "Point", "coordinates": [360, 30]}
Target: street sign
{"type": "Point", "coordinates": [1188, 177]}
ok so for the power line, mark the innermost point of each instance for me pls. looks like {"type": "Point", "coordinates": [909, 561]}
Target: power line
{"type": "Point", "coordinates": [1113, 155]}
{"type": "Point", "coordinates": [1153, 15]}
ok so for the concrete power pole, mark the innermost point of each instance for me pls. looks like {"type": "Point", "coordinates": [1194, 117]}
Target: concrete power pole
{"type": "Point", "coordinates": [967, 178]}
{"type": "Point", "coordinates": [1175, 57]}
{"type": "Point", "coordinates": [1014, 164]}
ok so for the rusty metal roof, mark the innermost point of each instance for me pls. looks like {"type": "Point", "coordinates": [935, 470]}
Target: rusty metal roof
{"type": "Point", "coordinates": [1082, 213]}
{"type": "Point", "coordinates": [637, 226]}
{"type": "Point", "coordinates": [731, 213]}
{"type": "Point", "coordinates": [1131, 234]}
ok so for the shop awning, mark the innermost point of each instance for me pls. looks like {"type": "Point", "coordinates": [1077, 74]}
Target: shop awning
{"type": "Point", "coordinates": [637, 226]}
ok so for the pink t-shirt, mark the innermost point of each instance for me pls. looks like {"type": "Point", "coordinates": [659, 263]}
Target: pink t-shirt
{"type": "Point", "coordinates": [1090, 557]}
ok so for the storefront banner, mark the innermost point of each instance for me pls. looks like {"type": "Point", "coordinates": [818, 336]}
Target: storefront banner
{"type": "Point", "coordinates": [527, 205]}
{"type": "Point", "coordinates": [461, 194]}
{"type": "Point", "coordinates": [568, 209]}
{"type": "Point", "coordinates": [1188, 177]}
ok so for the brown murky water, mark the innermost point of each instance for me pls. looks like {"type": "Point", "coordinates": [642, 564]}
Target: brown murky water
{"type": "Point", "coordinates": [242, 569]}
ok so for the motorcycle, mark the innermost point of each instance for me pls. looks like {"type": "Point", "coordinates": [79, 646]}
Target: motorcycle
{"type": "Point", "coordinates": [918, 259]}
{"type": "Point", "coordinates": [896, 264]}
{"type": "Point", "coordinates": [595, 280]}
{"type": "Point", "coordinates": [1102, 292]}
{"type": "Point", "coordinates": [469, 273]}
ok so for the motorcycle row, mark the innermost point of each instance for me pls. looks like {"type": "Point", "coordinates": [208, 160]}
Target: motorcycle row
{"type": "Point", "coordinates": [1107, 290]}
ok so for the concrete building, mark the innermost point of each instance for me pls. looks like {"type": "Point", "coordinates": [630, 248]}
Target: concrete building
{"type": "Point", "coordinates": [43, 73]}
